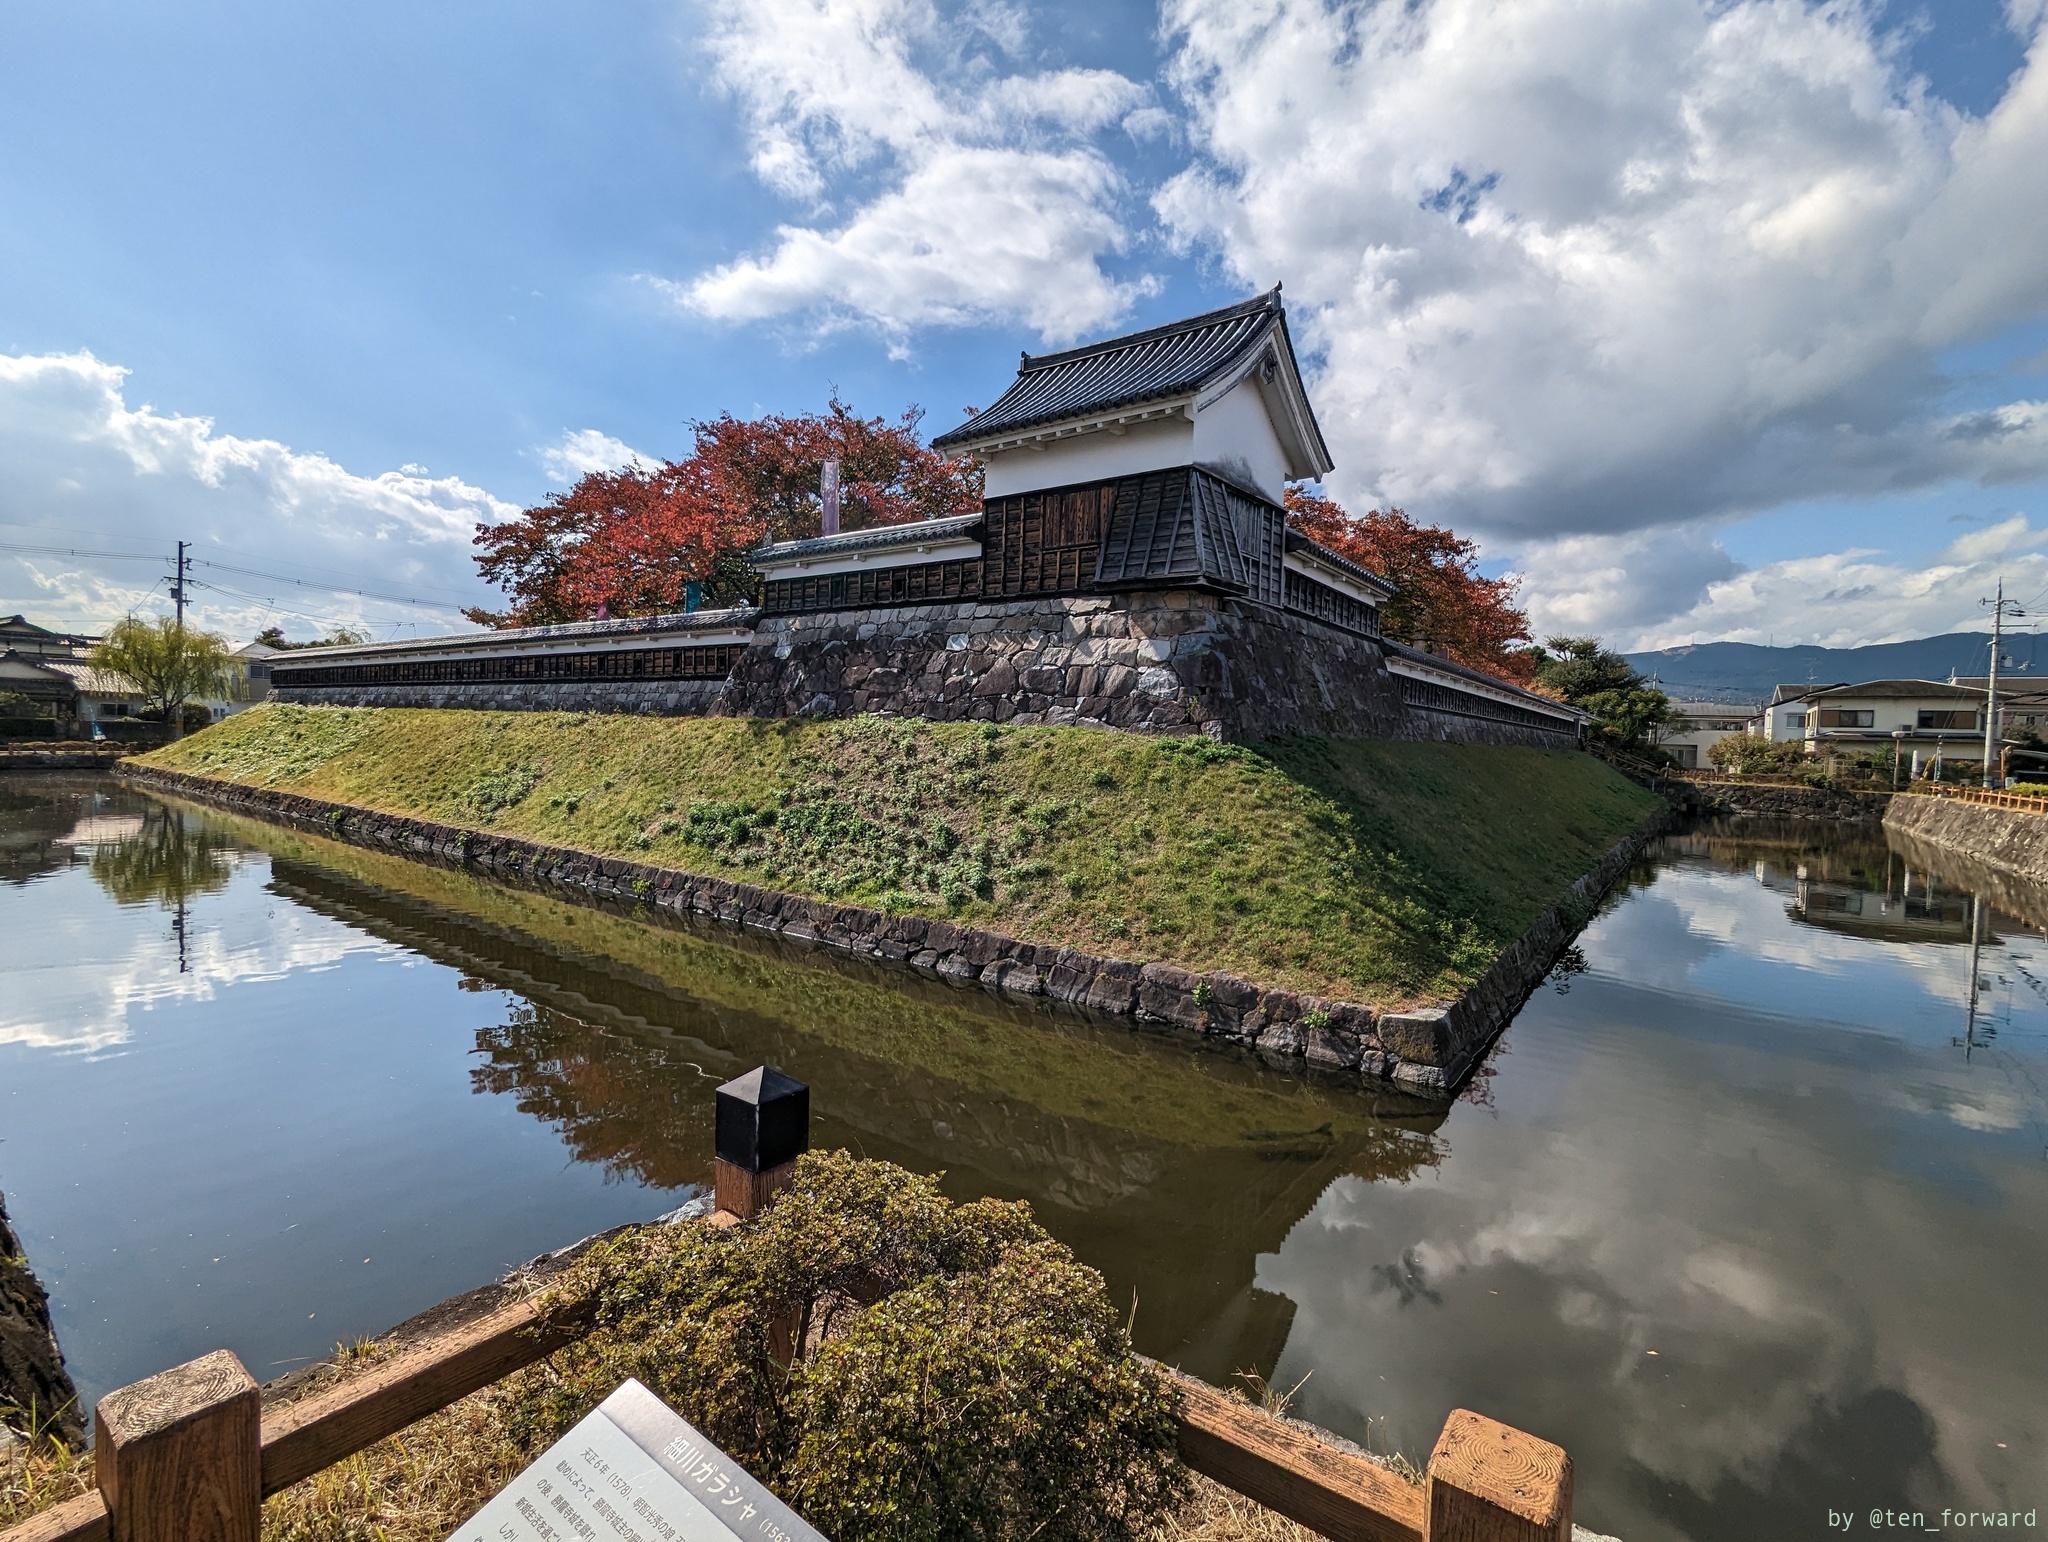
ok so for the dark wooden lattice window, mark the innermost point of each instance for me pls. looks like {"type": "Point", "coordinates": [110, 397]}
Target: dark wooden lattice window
{"type": "Point", "coordinates": [1044, 542]}
{"type": "Point", "coordinates": [713, 662]}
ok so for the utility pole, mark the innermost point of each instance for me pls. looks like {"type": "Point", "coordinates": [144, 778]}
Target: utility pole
{"type": "Point", "coordinates": [2000, 609]}
{"type": "Point", "coordinates": [184, 566]}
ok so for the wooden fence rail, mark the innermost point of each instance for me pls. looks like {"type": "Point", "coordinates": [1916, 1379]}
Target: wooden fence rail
{"type": "Point", "coordinates": [188, 1456]}
{"type": "Point", "coordinates": [2026, 803]}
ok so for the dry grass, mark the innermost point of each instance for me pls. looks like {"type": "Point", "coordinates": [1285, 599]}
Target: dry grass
{"type": "Point", "coordinates": [1214, 1513]}
{"type": "Point", "coordinates": [417, 1486]}
{"type": "Point", "coordinates": [38, 1472]}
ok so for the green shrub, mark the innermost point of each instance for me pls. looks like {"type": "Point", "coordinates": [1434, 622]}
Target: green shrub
{"type": "Point", "coordinates": [1754, 755]}
{"type": "Point", "coordinates": [893, 1365]}
{"type": "Point", "coordinates": [501, 789]}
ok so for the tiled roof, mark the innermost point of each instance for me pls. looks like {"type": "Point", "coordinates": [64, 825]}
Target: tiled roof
{"type": "Point", "coordinates": [875, 538]}
{"type": "Point", "coordinates": [623, 626]}
{"type": "Point", "coordinates": [1896, 689]}
{"type": "Point", "coordinates": [1153, 365]}
{"type": "Point", "coordinates": [1296, 541]}
{"type": "Point", "coordinates": [94, 682]}
{"type": "Point", "coordinates": [1536, 700]}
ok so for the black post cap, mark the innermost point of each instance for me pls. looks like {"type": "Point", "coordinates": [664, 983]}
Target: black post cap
{"type": "Point", "coordinates": [764, 1120]}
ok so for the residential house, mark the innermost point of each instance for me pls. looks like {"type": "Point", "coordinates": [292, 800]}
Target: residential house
{"type": "Point", "coordinates": [1931, 717]}
{"type": "Point", "coordinates": [1702, 725]}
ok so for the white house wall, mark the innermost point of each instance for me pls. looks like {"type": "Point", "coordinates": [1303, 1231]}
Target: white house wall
{"type": "Point", "coordinates": [1234, 438]}
{"type": "Point", "coordinates": [1093, 457]}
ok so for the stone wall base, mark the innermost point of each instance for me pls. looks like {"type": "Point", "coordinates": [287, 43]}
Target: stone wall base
{"type": "Point", "coordinates": [1768, 802]}
{"type": "Point", "coordinates": [1430, 1051]}
{"type": "Point", "coordinates": [1178, 661]}
{"type": "Point", "coordinates": [2006, 840]}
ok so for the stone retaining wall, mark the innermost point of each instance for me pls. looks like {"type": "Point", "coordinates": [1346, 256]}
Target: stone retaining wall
{"type": "Point", "coordinates": [1770, 802]}
{"type": "Point", "coordinates": [1179, 661]}
{"type": "Point", "coordinates": [1429, 1052]}
{"type": "Point", "coordinates": [2012, 841]}
{"type": "Point", "coordinates": [1175, 662]}
{"type": "Point", "coordinates": [32, 1373]}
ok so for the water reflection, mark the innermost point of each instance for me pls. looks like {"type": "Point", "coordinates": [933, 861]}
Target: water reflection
{"type": "Point", "coordinates": [1169, 1165]}
{"type": "Point", "coordinates": [1752, 1220]}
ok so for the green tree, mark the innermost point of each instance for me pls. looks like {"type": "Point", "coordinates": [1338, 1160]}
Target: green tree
{"type": "Point", "coordinates": [169, 663]}
{"type": "Point", "coordinates": [1626, 710]}
{"type": "Point", "coordinates": [340, 637]}
{"type": "Point", "coordinates": [1579, 667]}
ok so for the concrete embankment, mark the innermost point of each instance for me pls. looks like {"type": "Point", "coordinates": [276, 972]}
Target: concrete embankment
{"type": "Point", "coordinates": [1429, 1051]}
{"type": "Point", "coordinates": [2007, 840]}
{"type": "Point", "coordinates": [34, 1386]}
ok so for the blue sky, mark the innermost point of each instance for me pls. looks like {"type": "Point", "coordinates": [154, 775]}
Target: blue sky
{"type": "Point", "coordinates": [1746, 336]}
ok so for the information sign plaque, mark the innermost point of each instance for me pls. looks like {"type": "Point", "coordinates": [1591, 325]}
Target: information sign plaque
{"type": "Point", "coordinates": [634, 1471]}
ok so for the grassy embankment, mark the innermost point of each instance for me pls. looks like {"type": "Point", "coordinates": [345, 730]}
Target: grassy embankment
{"type": "Point", "coordinates": [1368, 870]}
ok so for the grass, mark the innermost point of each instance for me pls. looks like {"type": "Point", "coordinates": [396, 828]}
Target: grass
{"type": "Point", "coordinates": [1389, 873]}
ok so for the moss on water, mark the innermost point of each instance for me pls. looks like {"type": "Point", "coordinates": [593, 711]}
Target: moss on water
{"type": "Point", "coordinates": [1376, 871]}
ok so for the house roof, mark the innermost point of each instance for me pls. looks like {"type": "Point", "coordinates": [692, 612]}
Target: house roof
{"type": "Point", "coordinates": [93, 682]}
{"type": "Point", "coordinates": [917, 532]}
{"type": "Point", "coordinates": [33, 676]}
{"type": "Point", "coordinates": [1296, 541]}
{"type": "Point", "coordinates": [1450, 666]}
{"type": "Point", "coordinates": [1157, 365]}
{"type": "Point", "coordinates": [1891, 690]}
{"type": "Point", "coordinates": [621, 627]}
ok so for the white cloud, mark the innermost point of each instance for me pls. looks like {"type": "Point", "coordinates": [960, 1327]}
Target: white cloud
{"type": "Point", "coordinates": [976, 193]}
{"type": "Point", "coordinates": [87, 471]}
{"type": "Point", "coordinates": [1580, 267]}
{"type": "Point", "coordinates": [583, 450]}
{"type": "Point", "coordinates": [1844, 599]}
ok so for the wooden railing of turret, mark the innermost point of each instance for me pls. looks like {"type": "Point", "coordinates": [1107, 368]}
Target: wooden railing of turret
{"type": "Point", "coordinates": [189, 1455]}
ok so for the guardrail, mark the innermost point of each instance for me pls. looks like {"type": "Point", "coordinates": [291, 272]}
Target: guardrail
{"type": "Point", "coordinates": [189, 1454]}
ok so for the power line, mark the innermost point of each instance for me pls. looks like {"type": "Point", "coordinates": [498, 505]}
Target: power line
{"type": "Point", "coordinates": [79, 551]}
{"type": "Point", "coordinates": [307, 583]}
{"type": "Point", "coordinates": [224, 567]}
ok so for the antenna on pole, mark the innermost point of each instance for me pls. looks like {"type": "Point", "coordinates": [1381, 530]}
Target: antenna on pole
{"type": "Point", "coordinates": [2000, 609]}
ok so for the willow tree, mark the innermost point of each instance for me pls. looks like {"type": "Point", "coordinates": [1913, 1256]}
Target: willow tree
{"type": "Point", "coordinates": [170, 664]}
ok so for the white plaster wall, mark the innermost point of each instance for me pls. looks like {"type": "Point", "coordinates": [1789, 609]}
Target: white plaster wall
{"type": "Point", "coordinates": [1234, 437]}
{"type": "Point", "coordinates": [1093, 457]}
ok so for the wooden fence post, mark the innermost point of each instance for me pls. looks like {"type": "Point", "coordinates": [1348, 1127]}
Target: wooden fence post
{"type": "Point", "coordinates": [1489, 1482]}
{"type": "Point", "coordinates": [764, 1125]}
{"type": "Point", "coordinates": [178, 1455]}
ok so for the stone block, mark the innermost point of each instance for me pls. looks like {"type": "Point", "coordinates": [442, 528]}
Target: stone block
{"type": "Point", "coordinates": [1168, 993]}
{"type": "Point", "coordinates": [1422, 1037]}
{"type": "Point", "coordinates": [956, 968]}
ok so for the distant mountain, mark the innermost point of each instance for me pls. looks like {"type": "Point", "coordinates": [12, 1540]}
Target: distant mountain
{"type": "Point", "coordinates": [1728, 671]}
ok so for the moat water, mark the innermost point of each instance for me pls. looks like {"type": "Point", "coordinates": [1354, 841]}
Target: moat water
{"type": "Point", "coordinates": [1749, 1212]}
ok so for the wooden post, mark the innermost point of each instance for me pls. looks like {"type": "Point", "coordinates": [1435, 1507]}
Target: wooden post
{"type": "Point", "coordinates": [743, 1194]}
{"type": "Point", "coordinates": [178, 1455]}
{"type": "Point", "coordinates": [1489, 1482]}
{"type": "Point", "coordinates": [763, 1126]}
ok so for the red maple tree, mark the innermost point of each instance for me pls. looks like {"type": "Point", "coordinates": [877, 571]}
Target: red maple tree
{"type": "Point", "coordinates": [631, 542]}
{"type": "Point", "coordinates": [1441, 598]}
